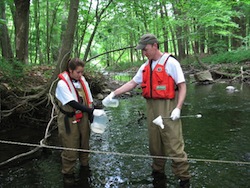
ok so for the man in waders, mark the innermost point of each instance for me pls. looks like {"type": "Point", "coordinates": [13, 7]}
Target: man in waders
{"type": "Point", "coordinates": [74, 117]}
{"type": "Point", "coordinates": [164, 88]}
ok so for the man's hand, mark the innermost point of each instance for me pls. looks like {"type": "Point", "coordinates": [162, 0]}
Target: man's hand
{"type": "Point", "coordinates": [111, 96]}
{"type": "Point", "coordinates": [176, 113]}
{"type": "Point", "coordinates": [109, 99]}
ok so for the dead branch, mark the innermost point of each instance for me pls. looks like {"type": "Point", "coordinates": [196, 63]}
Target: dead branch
{"type": "Point", "coordinates": [107, 52]}
{"type": "Point", "coordinates": [25, 104]}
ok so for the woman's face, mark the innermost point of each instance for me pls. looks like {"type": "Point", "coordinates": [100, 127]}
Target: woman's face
{"type": "Point", "coordinates": [77, 73]}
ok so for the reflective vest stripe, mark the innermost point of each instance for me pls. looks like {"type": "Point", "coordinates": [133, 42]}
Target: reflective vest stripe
{"type": "Point", "coordinates": [65, 77]}
{"type": "Point", "coordinates": [86, 89]}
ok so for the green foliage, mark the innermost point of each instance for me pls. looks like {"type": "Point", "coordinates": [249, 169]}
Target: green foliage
{"type": "Point", "coordinates": [232, 57]}
{"type": "Point", "coordinates": [218, 46]}
{"type": "Point", "coordinates": [123, 77]}
{"type": "Point", "coordinates": [190, 60]}
{"type": "Point", "coordinates": [124, 66]}
{"type": "Point", "coordinates": [212, 23]}
{"type": "Point", "coordinates": [2, 21]}
{"type": "Point", "coordinates": [237, 56]}
{"type": "Point", "coordinates": [11, 71]}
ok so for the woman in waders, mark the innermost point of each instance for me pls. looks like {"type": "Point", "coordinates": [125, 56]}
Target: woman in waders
{"type": "Point", "coordinates": [75, 114]}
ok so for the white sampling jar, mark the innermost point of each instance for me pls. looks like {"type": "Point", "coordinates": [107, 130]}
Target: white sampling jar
{"type": "Point", "coordinates": [110, 103]}
{"type": "Point", "coordinates": [99, 124]}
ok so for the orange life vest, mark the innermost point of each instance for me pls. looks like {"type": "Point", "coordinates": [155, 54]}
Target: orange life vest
{"type": "Point", "coordinates": [157, 84]}
{"type": "Point", "coordinates": [65, 77]}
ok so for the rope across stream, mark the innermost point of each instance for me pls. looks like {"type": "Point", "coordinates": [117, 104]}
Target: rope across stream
{"type": "Point", "coordinates": [42, 145]}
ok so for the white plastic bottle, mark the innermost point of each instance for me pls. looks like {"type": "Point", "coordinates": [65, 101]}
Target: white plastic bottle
{"type": "Point", "coordinates": [99, 124]}
{"type": "Point", "coordinates": [111, 103]}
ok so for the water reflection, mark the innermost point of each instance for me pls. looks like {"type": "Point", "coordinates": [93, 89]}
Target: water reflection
{"type": "Point", "coordinates": [221, 134]}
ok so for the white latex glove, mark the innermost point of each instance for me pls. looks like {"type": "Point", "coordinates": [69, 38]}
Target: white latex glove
{"type": "Point", "coordinates": [111, 96]}
{"type": "Point", "coordinates": [109, 101]}
{"type": "Point", "coordinates": [108, 98]}
{"type": "Point", "coordinates": [98, 112]}
{"type": "Point", "coordinates": [159, 121]}
{"type": "Point", "coordinates": [175, 114]}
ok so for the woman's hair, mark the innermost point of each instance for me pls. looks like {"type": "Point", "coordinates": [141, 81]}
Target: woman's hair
{"type": "Point", "coordinates": [73, 63]}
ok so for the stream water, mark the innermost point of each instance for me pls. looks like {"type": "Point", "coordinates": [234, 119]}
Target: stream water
{"type": "Point", "coordinates": [222, 135]}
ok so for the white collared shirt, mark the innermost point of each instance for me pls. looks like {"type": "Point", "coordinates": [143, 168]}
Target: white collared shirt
{"type": "Point", "coordinates": [172, 68]}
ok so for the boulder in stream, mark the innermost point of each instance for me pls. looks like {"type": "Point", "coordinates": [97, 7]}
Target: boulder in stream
{"type": "Point", "coordinates": [204, 77]}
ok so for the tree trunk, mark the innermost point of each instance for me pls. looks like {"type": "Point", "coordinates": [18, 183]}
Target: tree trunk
{"type": "Point", "coordinates": [50, 24]}
{"type": "Point", "coordinates": [164, 26]}
{"type": "Point", "coordinates": [37, 25]}
{"type": "Point", "coordinates": [186, 42]}
{"type": "Point", "coordinates": [236, 41]}
{"type": "Point", "coordinates": [131, 50]}
{"type": "Point", "coordinates": [47, 32]}
{"type": "Point", "coordinates": [166, 44]}
{"type": "Point", "coordinates": [202, 40]}
{"type": "Point", "coordinates": [68, 39]}
{"type": "Point", "coordinates": [4, 35]}
{"type": "Point", "coordinates": [83, 32]}
{"type": "Point", "coordinates": [179, 33]}
{"type": "Point", "coordinates": [22, 29]}
{"type": "Point", "coordinates": [180, 44]}
{"type": "Point", "coordinates": [97, 22]}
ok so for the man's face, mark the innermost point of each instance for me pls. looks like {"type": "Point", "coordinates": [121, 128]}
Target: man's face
{"type": "Point", "coordinates": [149, 51]}
{"type": "Point", "coordinates": [77, 73]}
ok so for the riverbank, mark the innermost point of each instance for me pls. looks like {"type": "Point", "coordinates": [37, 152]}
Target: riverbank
{"type": "Point", "coordinates": [28, 88]}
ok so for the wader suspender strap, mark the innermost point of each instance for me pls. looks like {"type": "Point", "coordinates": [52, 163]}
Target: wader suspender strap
{"type": "Point", "coordinates": [66, 123]}
{"type": "Point", "coordinates": [66, 119]}
{"type": "Point", "coordinates": [69, 114]}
